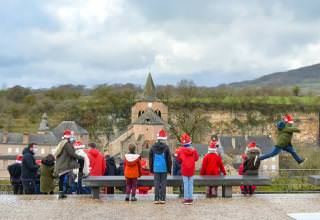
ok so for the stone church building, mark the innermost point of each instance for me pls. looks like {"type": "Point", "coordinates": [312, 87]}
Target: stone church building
{"type": "Point", "coordinates": [148, 116]}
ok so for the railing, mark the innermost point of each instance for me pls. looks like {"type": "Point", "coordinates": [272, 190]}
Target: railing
{"type": "Point", "coordinates": [290, 181]}
{"type": "Point", "coordinates": [283, 181]}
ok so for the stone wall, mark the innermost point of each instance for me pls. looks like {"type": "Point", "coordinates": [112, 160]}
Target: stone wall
{"type": "Point", "coordinates": [254, 123]}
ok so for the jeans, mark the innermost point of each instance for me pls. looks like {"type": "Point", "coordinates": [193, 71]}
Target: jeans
{"type": "Point", "coordinates": [64, 183]}
{"type": "Point", "coordinates": [29, 186]}
{"type": "Point", "coordinates": [188, 187]}
{"type": "Point", "coordinates": [276, 150]}
{"type": "Point", "coordinates": [160, 184]}
{"type": "Point", "coordinates": [131, 186]}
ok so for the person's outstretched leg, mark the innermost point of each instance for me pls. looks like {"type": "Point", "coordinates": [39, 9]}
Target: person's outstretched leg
{"type": "Point", "coordinates": [276, 150]}
{"type": "Point", "coordinates": [293, 152]}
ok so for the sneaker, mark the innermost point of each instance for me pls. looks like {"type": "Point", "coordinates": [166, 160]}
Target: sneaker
{"type": "Point", "coordinates": [162, 202]}
{"type": "Point", "coordinates": [156, 202]}
{"type": "Point", "coordinates": [188, 202]}
{"type": "Point", "coordinates": [303, 161]}
{"type": "Point", "coordinates": [62, 195]}
{"type": "Point", "coordinates": [127, 199]}
{"type": "Point", "coordinates": [134, 199]}
{"type": "Point", "coordinates": [184, 201]}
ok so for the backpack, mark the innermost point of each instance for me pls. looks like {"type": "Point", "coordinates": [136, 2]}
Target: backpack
{"type": "Point", "coordinates": [251, 164]}
{"type": "Point", "coordinates": [159, 163]}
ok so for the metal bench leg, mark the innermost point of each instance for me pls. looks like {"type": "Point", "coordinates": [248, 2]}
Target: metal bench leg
{"type": "Point", "coordinates": [95, 192]}
{"type": "Point", "coordinates": [227, 191]}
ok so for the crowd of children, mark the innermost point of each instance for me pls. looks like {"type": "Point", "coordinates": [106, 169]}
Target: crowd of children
{"type": "Point", "coordinates": [72, 162]}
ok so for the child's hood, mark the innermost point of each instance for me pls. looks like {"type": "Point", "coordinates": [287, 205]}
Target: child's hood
{"type": "Point", "coordinates": [132, 157]}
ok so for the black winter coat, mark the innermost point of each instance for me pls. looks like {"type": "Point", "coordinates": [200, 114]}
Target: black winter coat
{"type": "Point", "coordinates": [176, 167]}
{"type": "Point", "coordinates": [111, 168]}
{"type": "Point", "coordinates": [159, 148]}
{"type": "Point", "coordinates": [29, 168]}
{"type": "Point", "coordinates": [15, 172]}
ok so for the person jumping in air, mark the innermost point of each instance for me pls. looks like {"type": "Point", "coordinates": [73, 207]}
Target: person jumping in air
{"type": "Point", "coordinates": [284, 138]}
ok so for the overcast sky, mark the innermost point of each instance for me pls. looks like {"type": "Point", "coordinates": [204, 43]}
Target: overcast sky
{"type": "Point", "coordinates": [50, 42]}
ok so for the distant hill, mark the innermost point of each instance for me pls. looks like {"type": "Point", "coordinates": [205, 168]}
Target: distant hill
{"type": "Point", "coordinates": [308, 78]}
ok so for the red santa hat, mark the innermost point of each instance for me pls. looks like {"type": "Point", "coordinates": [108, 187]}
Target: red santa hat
{"type": "Point", "coordinates": [252, 144]}
{"type": "Point", "coordinates": [19, 158]}
{"type": "Point", "coordinates": [38, 162]}
{"type": "Point", "coordinates": [213, 147]}
{"type": "Point", "coordinates": [185, 140]}
{"type": "Point", "coordinates": [288, 119]}
{"type": "Point", "coordinates": [78, 145]}
{"type": "Point", "coordinates": [68, 134]}
{"type": "Point", "coordinates": [162, 135]}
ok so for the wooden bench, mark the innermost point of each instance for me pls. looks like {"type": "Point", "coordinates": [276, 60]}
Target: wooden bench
{"type": "Point", "coordinates": [95, 182]}
{"type": "Point", "coordinates": [314, 180]}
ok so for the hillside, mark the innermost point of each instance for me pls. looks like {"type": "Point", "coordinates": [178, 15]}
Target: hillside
{"type": "Point", "coordinates": [307, 78]}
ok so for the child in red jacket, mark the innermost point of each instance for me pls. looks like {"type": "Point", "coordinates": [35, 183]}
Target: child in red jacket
{"type": "Point", "coordinates": [188, 156]}
{"type": "Point", "coordinates": [212, 165]}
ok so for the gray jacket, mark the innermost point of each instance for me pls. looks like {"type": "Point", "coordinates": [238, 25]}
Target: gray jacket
{"type": "Point", "coordinates": [66, 159]}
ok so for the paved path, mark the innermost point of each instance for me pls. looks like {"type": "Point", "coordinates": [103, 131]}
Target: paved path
{"type": "Point", "coordinates": [83, 207]}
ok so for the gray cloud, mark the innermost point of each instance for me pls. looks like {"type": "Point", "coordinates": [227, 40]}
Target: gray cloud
{"type": "Point", "coordinates": [45, 43]}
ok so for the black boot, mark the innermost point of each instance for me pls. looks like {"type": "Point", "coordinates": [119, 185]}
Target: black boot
{"type": "Point", "coordinates": [62, 195]}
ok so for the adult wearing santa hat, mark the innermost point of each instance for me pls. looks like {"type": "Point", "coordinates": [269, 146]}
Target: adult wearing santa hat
{"type": "Point", "coordinates": [66, 161]}
{"type": "Point", "coordinates": [160, 165]}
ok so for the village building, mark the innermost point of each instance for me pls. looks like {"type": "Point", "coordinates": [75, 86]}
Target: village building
{"type": "Point", "coordinates": [46, 140]}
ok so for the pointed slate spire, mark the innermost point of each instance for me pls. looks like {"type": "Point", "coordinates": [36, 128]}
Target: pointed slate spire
{"type": "Point", "coordinates": [44, 125]}
{"type": "Point", "coordinates": [149, 92]}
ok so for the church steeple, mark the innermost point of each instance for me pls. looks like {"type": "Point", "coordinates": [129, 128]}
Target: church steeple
{"type": "Point", "coordinates": [149, 92]}
{"type": "Point", "coordinates": [44, 125]}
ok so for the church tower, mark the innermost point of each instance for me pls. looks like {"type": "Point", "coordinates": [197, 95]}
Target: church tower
{"type": "Point", "coordinates": [149, 101]}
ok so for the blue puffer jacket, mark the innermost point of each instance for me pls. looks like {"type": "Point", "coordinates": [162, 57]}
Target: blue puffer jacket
{"type": "Point", "coordinates": [160, 158]}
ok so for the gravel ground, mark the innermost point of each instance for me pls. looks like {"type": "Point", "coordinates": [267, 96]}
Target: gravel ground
{"type": "Point", "coordinates": [83, 207]}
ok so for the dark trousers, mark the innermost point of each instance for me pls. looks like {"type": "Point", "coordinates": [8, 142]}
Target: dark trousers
{"type": "Point", "coordinates": [80, 176]}
{"type": "Point", "coordinates": [17, 188]}
{"type": "Point", "coordinates": [29, 186]}
{"type": "Point", "coordinates": [160, 184]}
{"type": "Point", "coordinates": [212, 191]}
{"type": "Point", "coordinates": [110, 190]}
{"type": "Point", "coordinates": [276, 150]}
{"type": "Point", "coordinates": [131, 186]}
